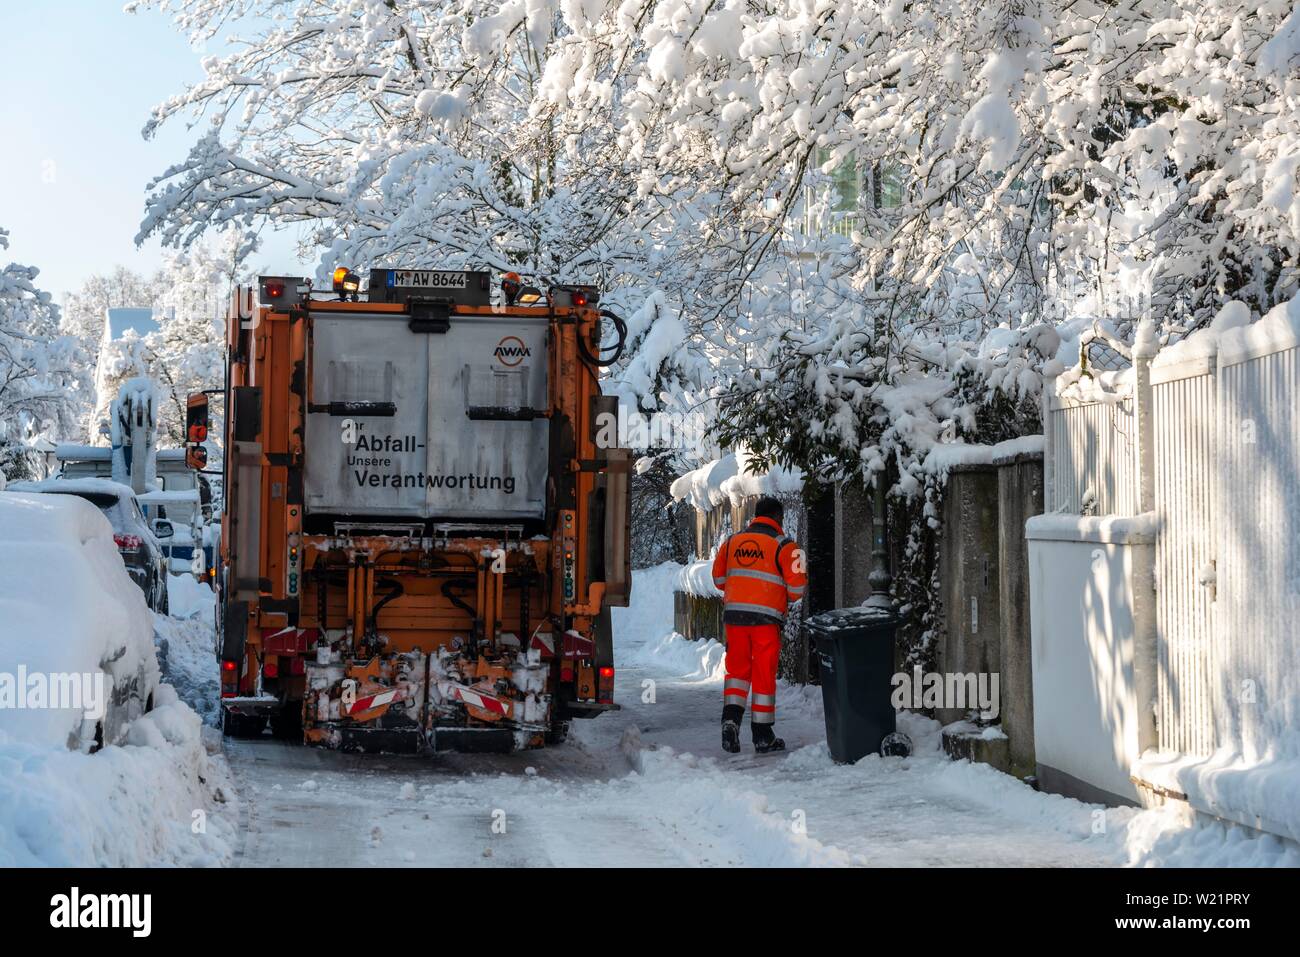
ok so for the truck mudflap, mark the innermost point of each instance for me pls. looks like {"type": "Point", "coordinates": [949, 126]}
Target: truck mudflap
{"type": "Point", "coordinates": [589, 709]}
{"type": "Point", "coordinates": [410, 701]}
{"type": "Point", "coordinates": [252, 705]}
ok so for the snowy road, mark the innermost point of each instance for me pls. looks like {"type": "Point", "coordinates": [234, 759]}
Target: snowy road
{"type": "Point", "coordinates": [649, 786]}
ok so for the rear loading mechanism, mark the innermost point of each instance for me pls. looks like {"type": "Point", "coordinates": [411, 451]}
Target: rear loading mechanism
{"type": "Point", "coordinates": [421, 538]}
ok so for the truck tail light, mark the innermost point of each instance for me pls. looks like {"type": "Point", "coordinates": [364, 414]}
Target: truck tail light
{"type": "Point", "coordinates": [229, 679]}
{"type": "Point", "coordinates": [605, 684]}
{"type": "Point", "coordinates": [128, 543]}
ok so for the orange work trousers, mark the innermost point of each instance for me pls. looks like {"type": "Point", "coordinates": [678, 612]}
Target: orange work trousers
{"type": "Point", "coordinates": [752, 653]}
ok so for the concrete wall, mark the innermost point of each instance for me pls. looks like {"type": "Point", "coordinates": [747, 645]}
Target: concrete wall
{"type": "Point", "coordinates": [969, 578]}
{"type": "Point", "coordinates": [1092, 619]}
{"type": "Point", "coordinates": [1020, 497]}
{"type": "Point", "coordinates": [854, 506]}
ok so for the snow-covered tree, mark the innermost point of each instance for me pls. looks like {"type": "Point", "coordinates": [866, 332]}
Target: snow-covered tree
{"type": "Point", "coordinates": [37, 369]}
{"type": "Point", "coordinates": [187, 354]}
{"type": "Point", "coordinates": [84, 311]}
{"type": "Point", "coordinates": [1014, 164]}
{"type": "Point", "coordinates": [187, 296]}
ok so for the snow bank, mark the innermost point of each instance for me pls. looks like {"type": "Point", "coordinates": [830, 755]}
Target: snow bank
{"type": "Point", "coordinates": [1172, 836]}
{"type": "Point", "coordinates": [187, 597]}
{"type": "Point", "coordinates": [67, 605]}
{"type": "Point", "coordinates": [1226, 785]}
{"type": "Point", "coordinates": [185, 643]}
{"type": "Point", "coordinates": [158, 799]}
{"type": "Point", "coordinates": [643, 632]}
{"type": "Point", "coordinates": [733, 478]}
{"type": "Point", "coordinates": [695, 660]}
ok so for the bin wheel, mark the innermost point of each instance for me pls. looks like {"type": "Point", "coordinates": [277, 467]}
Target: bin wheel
{"type": "Point", "coordinates": [895, 745]}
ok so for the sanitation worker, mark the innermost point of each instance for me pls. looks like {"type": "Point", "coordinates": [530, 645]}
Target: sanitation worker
{"type": "Point", "coordinates": [760, 572]}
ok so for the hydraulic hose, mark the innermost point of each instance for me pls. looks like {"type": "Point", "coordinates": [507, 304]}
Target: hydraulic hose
{"type": "Point", "coordinates": [396, 592]}
{"type": "Point", "coordinates": [455, 599]}
{"type": "Point", "coordinates": [596, 360]}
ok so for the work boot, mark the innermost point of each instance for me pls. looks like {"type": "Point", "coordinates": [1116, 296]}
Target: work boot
{"type": "Point", "coordinates": [731, 737]}
{"type": "Point", "coordinates": [765, 739]}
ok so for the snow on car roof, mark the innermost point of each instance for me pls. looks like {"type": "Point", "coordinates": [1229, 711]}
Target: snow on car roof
{"type": "Point", "coordinates": [78, 486]}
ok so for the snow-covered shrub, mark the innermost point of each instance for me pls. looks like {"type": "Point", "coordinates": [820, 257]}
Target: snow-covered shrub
{"type": "Point", "coordinates": [853, 406]}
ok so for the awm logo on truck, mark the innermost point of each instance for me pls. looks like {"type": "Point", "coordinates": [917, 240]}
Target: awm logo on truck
{"type": "Point", "coordinates": [511, 351]}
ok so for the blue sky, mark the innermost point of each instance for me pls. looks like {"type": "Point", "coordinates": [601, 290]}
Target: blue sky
{"type": "Point", "coordinates": [79, 78]}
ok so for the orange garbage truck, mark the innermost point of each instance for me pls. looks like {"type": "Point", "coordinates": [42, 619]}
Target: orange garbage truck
{"type": "Point", "coordinates": [423, 531]}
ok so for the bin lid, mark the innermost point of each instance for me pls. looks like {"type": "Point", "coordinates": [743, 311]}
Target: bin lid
{"type": "Point", "coordinates": [857, 618]}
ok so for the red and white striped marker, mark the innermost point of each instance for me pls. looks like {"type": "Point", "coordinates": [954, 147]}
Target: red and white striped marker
{"type": "Point", "coordinates": [375, 701]}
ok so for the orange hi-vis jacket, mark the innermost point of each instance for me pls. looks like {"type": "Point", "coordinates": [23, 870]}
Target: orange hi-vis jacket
{"type": "Point", "coordinates": [760, 572]}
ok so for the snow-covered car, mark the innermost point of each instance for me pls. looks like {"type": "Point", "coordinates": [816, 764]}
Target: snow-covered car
{"type": "Point", "coordinates": [76, 639]}
{"type": "Point", "coordinates": [137, 542]}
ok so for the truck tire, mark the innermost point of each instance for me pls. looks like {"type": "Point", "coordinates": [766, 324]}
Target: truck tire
{"type": "Point", "coordinates": [286, 724]}
{"type": "Point", "coordinates": [558, 734]}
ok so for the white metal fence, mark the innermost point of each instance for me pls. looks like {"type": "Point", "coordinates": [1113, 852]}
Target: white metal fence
{"type": "Point", "coordinates": [1211, 446]}
{"type": "Point", "coordinates": [1183, 425]}
{"type": "Point", "coordinates": [1257, 700]}
{"type": "Point", "coordinates": [1093, 452]}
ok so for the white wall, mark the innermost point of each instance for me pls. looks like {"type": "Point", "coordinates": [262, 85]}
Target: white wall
{"type": "Point", "coordinates": [1092, 625]}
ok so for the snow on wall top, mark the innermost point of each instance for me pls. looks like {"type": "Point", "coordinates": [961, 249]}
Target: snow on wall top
{"type": "Point", "coordinates": [697, 579]}
{"type": "Point", "coordinates": [730, 479]}
{"type": "Point", "coordinates": [1278, 330]}
{"type": "Point", "coordinates": [1204, 343]}
{"type": "Point", "coordinates": [1100, 529]}
{"type": "Point", "coordinates": [944, 457]}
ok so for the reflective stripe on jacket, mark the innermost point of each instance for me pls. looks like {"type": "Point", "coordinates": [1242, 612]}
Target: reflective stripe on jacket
{"type": "Point", "coordinates": [760, 573]}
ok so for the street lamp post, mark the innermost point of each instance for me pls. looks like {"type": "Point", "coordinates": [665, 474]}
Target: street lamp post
{"type": "Point", "coordinates": [879, 579]}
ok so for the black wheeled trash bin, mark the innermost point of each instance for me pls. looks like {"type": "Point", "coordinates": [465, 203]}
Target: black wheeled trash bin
{"type": "Point", "coordinates": [855, 652]}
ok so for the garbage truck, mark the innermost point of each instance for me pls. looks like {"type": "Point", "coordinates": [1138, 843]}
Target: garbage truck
{"type": "Point", "coordinates": [425, 518]}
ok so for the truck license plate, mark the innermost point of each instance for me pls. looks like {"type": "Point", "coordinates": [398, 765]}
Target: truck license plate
{"type": "Point", "coordinates": [427, 279]}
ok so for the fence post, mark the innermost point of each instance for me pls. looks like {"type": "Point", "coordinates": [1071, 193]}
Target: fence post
{"type": "Point", "coordinates": [1146, 638]}
{"type": "Point", "coordinates": [1145, 347]}
{"type": "Point", "coordinates": [1049, 458]}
